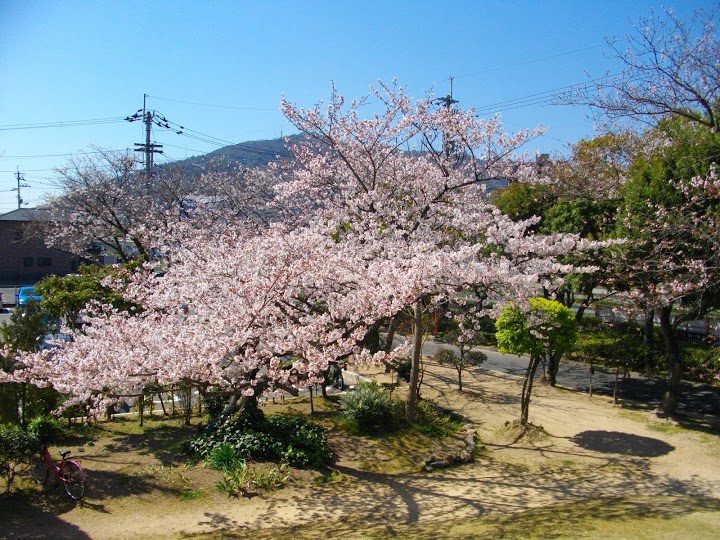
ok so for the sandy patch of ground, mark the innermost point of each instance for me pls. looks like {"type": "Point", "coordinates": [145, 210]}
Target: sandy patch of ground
{"type": "Point", "coordinates": [589, 451]}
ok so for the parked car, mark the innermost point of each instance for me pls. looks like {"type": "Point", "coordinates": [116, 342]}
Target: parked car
{"type": "Point", "coordinates": [24, 295]}
{"type": "Point", "coordinates": [54, 341]}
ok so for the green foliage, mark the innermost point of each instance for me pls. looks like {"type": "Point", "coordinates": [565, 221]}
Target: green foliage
{"type": "Point", "coordinates": [26, 328]}
{"type": "Point", "coordinates": [371, 409]}
{"type": "Point", "coordinates": [65, 297]}
{"type": "Point", "coordinates": [435, 421]}
{"type": "Point", "coordinates": [610, 347]}
{"type": "Point", "coordinates": [251, 436]}
{"type": "Point", "coordinates": [243, 479]}
{"type": "Point", "coordinates": [691, 151]}
{"type": "Point", "coordinates": [701, 363]}
{"type": "Point", "coordinates": [24, 331]}
{"type": "Point", "coordinates": [304, 443]}
{"type": "Point", "coordinates": [17, 448]}
{"type": "Point", "coordinates": [548, 324]}
{"type": "Point", "coordinates": [465, 360]}
{"type": "Point", "coordinates": [523, 201]}
{"type": "Point", "coordinates": [46, 428]}
{"type": "Point", "coordinates": [223, 457]}
{"type": "Point", "coordinates": [588, 218]}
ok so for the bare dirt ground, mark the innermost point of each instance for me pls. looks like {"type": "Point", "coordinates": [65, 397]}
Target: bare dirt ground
{"type": "Point", "coordinates": [593, 469]}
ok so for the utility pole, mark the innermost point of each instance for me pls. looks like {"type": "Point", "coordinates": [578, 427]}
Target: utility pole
{"type": "Point", "coordinates": [20, 184]}
{"type": "Point", "coordinates": [448, 102]}
{"type": "Point", "coordinates": [148, 148]}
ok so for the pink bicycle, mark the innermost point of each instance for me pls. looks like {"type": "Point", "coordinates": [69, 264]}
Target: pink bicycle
{"type": "Point", "coordinates": [68, 472]}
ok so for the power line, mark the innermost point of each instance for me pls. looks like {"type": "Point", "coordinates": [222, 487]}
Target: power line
{"type": "Point", "coordinates": [53, 155]}
{"type": "Point", "coordinates": [62, 124]}
{"type": "Point", "coordinates": [30, 170]}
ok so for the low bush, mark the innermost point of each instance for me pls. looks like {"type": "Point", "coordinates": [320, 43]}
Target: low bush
{"type": "Point", "coordinates": [292, 439]}
{"type": "Point", "coordinates": [701, 362]}
{"type": "Point", "coordinates": [371, 409]}
{"type": "Point", "coordinates": [47, 429]}
{"type": "Point", "coordinates": [223, 457]}
{"type": "Point", "coordinates": [17, 448]}
{"type": "Point", "coordinates": [435, 421]}
{"type": "Point", "coordinates": [303, 443]}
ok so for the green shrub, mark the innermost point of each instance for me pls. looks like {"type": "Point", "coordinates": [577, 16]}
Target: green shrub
{"type": "Point", "coordinates": [251, 436]}
{"type": "Point", "coordinates": [223, 457]}
{"type": "Point", "coordinates": [615, 348]}
{"type": "Point", "coordinates": [214, 406]}
{"type": "Point", "coordinates": [17, 448]}
{"type": "Point", "coordinates": [47, 429]}
{"type": "Point", "coordinates": [435, 421]}
{"type": "Point", "coordinates": [371, 409]}
{"type": "Point", "coordinates": [701, 363]}
{"type": "Point", "coordinates": [303, 443]}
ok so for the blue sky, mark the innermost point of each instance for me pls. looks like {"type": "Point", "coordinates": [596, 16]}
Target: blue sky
{"type": "Point", "coordinates": [220, 67]}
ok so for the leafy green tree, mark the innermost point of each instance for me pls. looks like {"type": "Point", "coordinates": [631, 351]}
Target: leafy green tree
{"type": "Point", "coordinates": [19, 402]}
{"type": "Point", "coordinates": [65, 297]}
{"type": "Point", "coordinates": [545, 331]}
{"type": "Point", "coordinates": [521, 201]}
{"type": "Point", "coordinates": [671, 209]}
{"type": "Point", "coordinates": [582, 199]}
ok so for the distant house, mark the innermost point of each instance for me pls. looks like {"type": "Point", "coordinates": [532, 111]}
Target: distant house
{"type": "Point", "coordinates": [24, 257]}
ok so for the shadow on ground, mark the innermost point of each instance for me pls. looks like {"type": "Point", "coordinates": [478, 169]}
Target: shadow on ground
{"type": "Point", "coordinates": [615, 442]}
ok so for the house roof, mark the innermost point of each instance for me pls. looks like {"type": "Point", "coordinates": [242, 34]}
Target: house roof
{"type": "Point", "coordinates": [27, 214]}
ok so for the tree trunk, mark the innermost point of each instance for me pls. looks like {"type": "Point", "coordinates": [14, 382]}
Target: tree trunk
{"type": "Point", "coordinates": [649, 336]}
{"type": "Point", "coordinates": [390, 334]}
{"type": "Point", "coordinates": [553, 367]}
{"type": "Point", "coordinates": [162, 403]}
{"type": "Point", "coordinates": [188, 404]}
{"type": "Point", "coordinates": [674, 362]}
{"type": "Point", "coordinates": [141, 408]}
{"type": "Point", "coordinates": [527, 389]}
{"type": "Point", "coordinates": [415, 364]}
{"type": "Point", "coordinates": [23, 406]}
{"type": "Point", "coordinates": [459, 370]}
{"type": "Point", "coordinates": [617, 385]}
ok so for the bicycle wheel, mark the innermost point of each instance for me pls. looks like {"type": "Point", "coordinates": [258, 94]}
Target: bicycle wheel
{"type": "Point", "coordinates": [73, 478]}
{"type": "Point", "coordinates": [38, 470]}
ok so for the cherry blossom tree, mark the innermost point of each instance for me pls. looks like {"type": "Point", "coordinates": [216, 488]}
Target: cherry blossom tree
{"type": "Point", "coordinates": [426, 203]}
{"type": "Point", "coordinates": [108, 204]}
{"type": "Point", "coordinates": [386, 212]}
{"type": "Point", "coordinates": [669, 68]}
